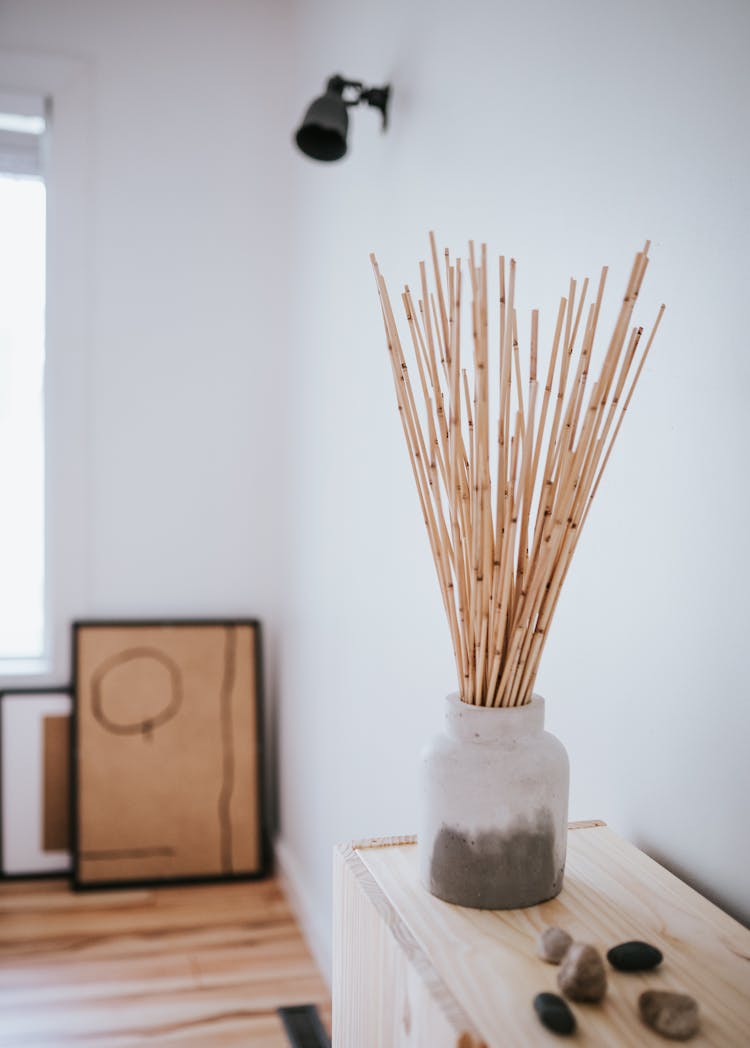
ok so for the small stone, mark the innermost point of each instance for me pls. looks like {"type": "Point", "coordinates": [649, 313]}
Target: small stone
{"type": "Point", "coordinates": [634, 956]}
{"type": "Point", "coordinates": [554, 1013]}
{"type": "Point", "coordinates": [582, 976]}
{"type": "Point", "coordinates": [673, 1015]}
{"type": "Point", "coordinates": [553, 944]}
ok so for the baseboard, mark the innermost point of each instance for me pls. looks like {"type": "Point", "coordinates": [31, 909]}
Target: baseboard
{"type": "Point", "coordinates": [314, 929]}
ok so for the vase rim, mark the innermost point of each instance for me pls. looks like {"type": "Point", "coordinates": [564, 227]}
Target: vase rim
{"type": "Point", "coordinates": [488, 723]}
{"type": "Point", "coordinates": [535, 700]}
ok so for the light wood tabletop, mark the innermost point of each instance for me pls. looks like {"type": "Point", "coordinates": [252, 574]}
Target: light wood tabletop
{"type": "Point", "coordinates": [481, 970]}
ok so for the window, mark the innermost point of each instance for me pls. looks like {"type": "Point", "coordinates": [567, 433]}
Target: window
{"type": "Point", "coordinates": [22, 327]}
{"type": "Point", "coordinates": [52, 158]}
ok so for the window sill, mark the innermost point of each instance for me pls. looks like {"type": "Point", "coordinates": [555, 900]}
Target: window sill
{"type": "Point", "coordinates": [24, 671]}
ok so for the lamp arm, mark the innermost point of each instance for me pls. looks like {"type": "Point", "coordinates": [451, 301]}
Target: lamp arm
{"type": "Point", "coordinates": [377, 97]}
{"type": "Point", "coordinates": [338, 83]}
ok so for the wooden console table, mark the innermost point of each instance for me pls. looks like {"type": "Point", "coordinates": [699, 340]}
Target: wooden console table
{"type": "Point", "coordinates": [410, 970]}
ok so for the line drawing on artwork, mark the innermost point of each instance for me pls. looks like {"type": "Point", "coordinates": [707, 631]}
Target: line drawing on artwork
{"type": "Point", "coordinates": [227, 749]}
{"type": "Point", "coordinates": [146, 726]}
{"type": "Point", "coordinates": [127, 853]}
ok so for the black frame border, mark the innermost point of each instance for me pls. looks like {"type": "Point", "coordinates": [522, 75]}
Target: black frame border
{"type": "Point", "coordinates": [36, 875]}
{"type": "Point", "coordinates": [264, 843]}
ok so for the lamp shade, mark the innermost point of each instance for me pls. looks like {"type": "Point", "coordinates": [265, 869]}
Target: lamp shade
{"type": "Point", "coordinates": [322, 133]}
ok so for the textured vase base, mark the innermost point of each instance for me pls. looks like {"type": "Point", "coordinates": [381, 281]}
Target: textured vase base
{"type": "Point", "coordinates": [497, 870]}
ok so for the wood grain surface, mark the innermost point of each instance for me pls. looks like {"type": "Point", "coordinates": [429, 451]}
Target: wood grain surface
{"type": "Point", "coordinates": [389, 994]}
{"type": "Point", "coordinates": [486, 960]}
{"type": "Point", "coordinates": [198, 966]}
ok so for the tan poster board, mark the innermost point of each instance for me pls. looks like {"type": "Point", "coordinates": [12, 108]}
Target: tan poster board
{"type": "Point", "coordinates": [167, 752]}
{"type": "Point", "coordinates": [56, 784]}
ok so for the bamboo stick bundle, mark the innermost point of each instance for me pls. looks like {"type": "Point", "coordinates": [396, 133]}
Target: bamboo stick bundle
{"type": "Point", "coordinates": [502, 556]}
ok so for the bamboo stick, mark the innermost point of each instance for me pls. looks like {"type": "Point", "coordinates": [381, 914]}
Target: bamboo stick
{"type": "Point", "coordinates": [502, 556]}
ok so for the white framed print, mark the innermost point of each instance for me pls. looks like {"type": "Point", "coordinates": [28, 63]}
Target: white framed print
{"type": "Point", "coordinates": [35, 782]}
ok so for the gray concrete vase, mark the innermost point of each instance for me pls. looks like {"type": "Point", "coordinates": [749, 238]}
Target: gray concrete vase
{"type": "Point", "coordinates": [492, 829]}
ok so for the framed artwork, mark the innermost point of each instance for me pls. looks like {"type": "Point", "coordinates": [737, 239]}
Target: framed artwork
{"type": "Point", "coordinates": [166, 744]}
{"type": "Point", "coordinates": [35, 837]}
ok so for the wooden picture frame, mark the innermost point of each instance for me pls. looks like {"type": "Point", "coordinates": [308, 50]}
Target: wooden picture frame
{"type": "Point", "coordinates": [35, 832]}
{"type": "Point", "coordinates": [167, 752]}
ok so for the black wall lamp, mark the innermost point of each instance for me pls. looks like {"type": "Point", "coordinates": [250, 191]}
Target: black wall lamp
{"type": "Point", "coordinates": [322, 133]}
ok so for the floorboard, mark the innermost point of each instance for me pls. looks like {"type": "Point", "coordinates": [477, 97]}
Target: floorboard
{"type": "Point", "coordinates": [199, 966]}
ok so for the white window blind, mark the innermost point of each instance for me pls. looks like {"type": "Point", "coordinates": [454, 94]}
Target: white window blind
{"type": "Point", "coordinates": [23, 122]}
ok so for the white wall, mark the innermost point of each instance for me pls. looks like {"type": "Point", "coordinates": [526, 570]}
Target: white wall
{"type": "Point", "coordinates": [185, 173]}
{"type": "Point", "coordinates": [564, 134]}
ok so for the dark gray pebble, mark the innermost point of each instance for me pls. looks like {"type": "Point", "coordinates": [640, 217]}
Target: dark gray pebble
{"type": "Point", "coordinates": [554, 1013]}
{"type": "Point", "coordinates": [634, 957]}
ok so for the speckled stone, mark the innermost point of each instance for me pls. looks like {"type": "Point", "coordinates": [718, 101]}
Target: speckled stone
{"type": "Point", "coordinates": [673, 1015]}
{"type": "Point", "coordinates": [634, 956]}
{"type": "Point", "coordinates": [582, 976]}
{"type": "Point", "coordinates": [553, 944]}
{"type": "Point", "coordinates": [554, 1013]}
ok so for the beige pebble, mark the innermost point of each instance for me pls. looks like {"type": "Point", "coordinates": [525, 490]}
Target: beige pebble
{"type": "Point", "coordinates": [673, 1015]}
{"type": "Point", "coordinates": [553, 944]}
{"type": "Point", "coordinates": [582, 976]}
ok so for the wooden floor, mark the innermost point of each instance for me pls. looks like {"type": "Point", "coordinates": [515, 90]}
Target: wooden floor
{"type": "Point", "coordinates": [204, 966]}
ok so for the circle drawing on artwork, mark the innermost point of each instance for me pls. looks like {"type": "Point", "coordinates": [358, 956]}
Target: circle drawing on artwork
{"type": "Point", "coordinates": [136, 691]}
